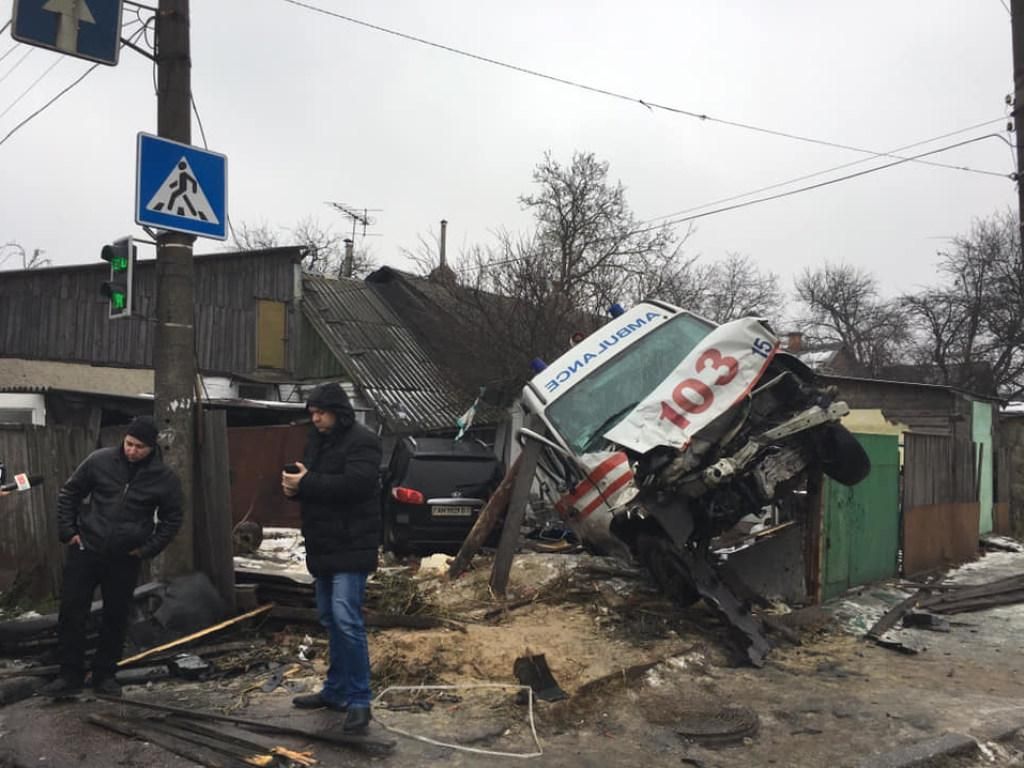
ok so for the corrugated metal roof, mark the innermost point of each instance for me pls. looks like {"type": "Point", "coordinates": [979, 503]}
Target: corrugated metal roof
{"type": "Point", "coordinates": [409, 390]}
{"type": "Point", "coordinates": [18, 375]}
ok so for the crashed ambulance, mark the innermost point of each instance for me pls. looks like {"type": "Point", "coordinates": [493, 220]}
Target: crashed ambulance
{"type": "Point", "coordinates": [661, 430]}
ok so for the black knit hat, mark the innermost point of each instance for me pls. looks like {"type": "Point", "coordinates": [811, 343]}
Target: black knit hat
{"type": "Point", "coordinates": [143, 428]}
{"type": "Point", "coordinates": [329, 397]}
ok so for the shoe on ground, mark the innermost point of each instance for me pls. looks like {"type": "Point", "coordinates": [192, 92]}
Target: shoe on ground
{"type": "Point", "coordinates": [107, 686]}
{"type": "Point", "coordinates": [316, 701]}
{"type": "Point", "coordinates": [357, 721]}
{"type": "Point", "coordinates": [61, 688]}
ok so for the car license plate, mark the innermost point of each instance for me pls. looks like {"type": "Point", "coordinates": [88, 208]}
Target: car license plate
{"type": "Point", "coordinates": [445, 510]}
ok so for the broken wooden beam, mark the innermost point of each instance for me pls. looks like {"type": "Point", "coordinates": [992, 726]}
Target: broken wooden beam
{"type": "Point", "coordinates": [196, 635]}
{"type": "Point", "coordinates": [502, 566]}
{"type": "Point", "coordinates": [893, 615]}
{"type": "Point", "coordinates": [496, 506]}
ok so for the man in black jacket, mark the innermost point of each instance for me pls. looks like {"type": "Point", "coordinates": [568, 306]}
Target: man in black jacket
{"type": "Point", "coordinates": [107, 542]}
{"type": "Point", "coordinates": [337, 485]}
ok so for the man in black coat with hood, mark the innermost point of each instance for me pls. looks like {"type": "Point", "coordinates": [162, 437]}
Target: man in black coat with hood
{"type": "Point", "coordinates": [337, 485]}
{"type": "Point", "coordinates": [107, 542]}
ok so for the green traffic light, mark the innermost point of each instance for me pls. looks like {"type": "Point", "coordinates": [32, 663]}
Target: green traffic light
{"type": "Point", "coordinates": [119, 264]}
{"type": "Point", "coordinates": [117, 299]}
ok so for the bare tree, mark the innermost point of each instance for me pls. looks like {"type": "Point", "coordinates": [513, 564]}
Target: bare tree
{"type": "Point", "coordinates": [843, 306]}
{"type": "Point", "coordinates": [324, 249]}
{"type": "Point", "coordinates": [526, 294]}
{"type": "Point", "coordinates": [33, 261]}
{"type": "Point", "coordinates": [736, 287]}
{"type": "Point", "coordinates": [972, 328]}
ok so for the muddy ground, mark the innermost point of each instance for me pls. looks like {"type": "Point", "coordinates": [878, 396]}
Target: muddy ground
{"type": "Point", "coordinates": [647, 684]}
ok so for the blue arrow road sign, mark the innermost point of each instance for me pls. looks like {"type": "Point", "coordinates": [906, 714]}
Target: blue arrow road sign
{"type": "Point", "coordinates": [181, 188]}
{"type": "Point", "coordinates": [89, 29]}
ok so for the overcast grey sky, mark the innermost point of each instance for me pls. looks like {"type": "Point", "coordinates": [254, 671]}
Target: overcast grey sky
{"type": "Point", "coordinates": [310, 108]}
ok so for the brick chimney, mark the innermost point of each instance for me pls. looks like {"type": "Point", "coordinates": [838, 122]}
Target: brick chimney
{"type": "Point", "coordinates": [794, 342]}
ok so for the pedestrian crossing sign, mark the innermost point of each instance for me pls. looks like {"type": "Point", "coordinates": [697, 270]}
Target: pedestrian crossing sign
{"type": "Point", "coordinates": [180, 188]}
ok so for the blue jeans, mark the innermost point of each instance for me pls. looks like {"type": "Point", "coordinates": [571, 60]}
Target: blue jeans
{"type": "Point", "coordinates": [339, 600]}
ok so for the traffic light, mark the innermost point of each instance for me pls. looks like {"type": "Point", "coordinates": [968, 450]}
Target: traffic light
{"type": "Point", "coordinates": [118, 289]}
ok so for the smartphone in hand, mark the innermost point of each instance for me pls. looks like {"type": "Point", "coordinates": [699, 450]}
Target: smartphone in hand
{"type": "Point", "coordinates": [292, 469]}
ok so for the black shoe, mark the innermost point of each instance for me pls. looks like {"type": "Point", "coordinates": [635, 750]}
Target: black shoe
{"type": "Point", "coordinates": [61, 688]}
{"type": "Point", "coordinates": [108, 686]}
{"type": "Point", "coordinates": [357, 720]}
{"type": "Point", "coordinates": [316, 701]}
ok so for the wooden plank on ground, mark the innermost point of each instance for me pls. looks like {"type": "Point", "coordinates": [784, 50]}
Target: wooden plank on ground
{"type": "Point", "coordinates": [196, 635]}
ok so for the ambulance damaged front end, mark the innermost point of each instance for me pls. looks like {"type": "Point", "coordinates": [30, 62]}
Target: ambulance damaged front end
{"type": "Point", "coordinates": [662, 430]}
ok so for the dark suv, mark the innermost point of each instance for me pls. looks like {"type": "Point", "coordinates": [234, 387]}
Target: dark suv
{"type": "Point", "coordinates": [434, 489]}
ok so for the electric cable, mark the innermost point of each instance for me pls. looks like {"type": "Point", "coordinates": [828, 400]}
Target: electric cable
{"type": "Point", "coordinates": [675, 221]}
{"type": "Point", "coordinates": [684, 219]}
{"type": "Point", "coordinates": [5, 26]}
{"type": "Point", "coordinates": [786, 183]}
{"type": "Point", "coordinates": [53, 100]}
{"type": "Point", "coordinates": [199, 120]}
{"type": "Point", "coordinates": [17, 64]}
{"type": "Point", "coordinates": [34, 83]}
{"type": "Point", "coordinates": [24, 93]}
{"type": "Point", "coordinates": [650, 105]}
{"type": "Point", "coordinates": [9, 51]}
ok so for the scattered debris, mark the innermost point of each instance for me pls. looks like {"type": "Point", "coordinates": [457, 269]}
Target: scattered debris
{"type": "Point", "coordinates": [1001, 544]}
{"type": "Point", "coordinates": [195, 635]}
{"type": "Point", "coordinates": [925, 620]}
{"type": "Point", "coordinates": [335, 736]}
{"type": "Point", "coordinates": [534, 672]}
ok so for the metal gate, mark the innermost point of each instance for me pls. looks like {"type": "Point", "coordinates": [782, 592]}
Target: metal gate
{"type": "Point", "coordinates": [862, 523]}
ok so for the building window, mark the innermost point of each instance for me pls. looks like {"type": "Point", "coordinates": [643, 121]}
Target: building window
{"type": "Point", "coordinates": [270, 340]}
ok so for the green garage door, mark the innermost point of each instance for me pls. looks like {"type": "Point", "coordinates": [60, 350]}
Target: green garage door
{"type": "Point", "coordinates": [862, 523]}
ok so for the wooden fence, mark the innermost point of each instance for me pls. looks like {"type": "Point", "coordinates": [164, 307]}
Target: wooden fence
{"type": "Point", "coordinates": [30, 554]}
{"type": "Point", "coordinates": [941, 513]}
{"type": "Point", "coordinates": [31, 557]}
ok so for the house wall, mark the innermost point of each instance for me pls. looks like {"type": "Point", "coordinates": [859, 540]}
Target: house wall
{"type": "Point", "coordinates": [929, 410]}
{"type": "Point", "coordinates": [59, 314]}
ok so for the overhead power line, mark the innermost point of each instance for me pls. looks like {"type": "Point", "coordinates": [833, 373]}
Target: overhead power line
{"type": "Point", "coordinates": [135, 36]}
{"type": "Point", "coordinates": [49, 69]}
{"type": "Point", "coordinates": [5, 26]}
{"type": "Point", "coordinates": [9, 51]}
{"type": "Point", "coordinates": [650, 105]}
{"type": "Point", "coordinates": [682, 220]}
{"type": "Point", "coordinates": [34, 83]}
{"type": "Point", "coordinates": [16, 64]}
{"type": "Point", "coordinates": [834, 168]}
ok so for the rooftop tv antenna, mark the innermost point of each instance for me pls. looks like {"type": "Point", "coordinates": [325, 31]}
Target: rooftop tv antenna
{"type": "Point", "coordinates": [359, 216]}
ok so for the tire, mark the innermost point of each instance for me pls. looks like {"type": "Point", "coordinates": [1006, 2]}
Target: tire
{"type": "Point", "coordinates": [247, 537]}
{"type": "Point", "coordinates": [391, 540]}
{"type": "Point", "coordinates": [843, 457]}
{"type": "Point", "coordinates": [655, 553]}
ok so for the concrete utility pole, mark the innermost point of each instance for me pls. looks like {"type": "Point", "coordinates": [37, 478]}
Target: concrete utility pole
{"type": "Point", "coordinates": [174, 348]}
{"type": "Point", "coordinates": [1017, 27]}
